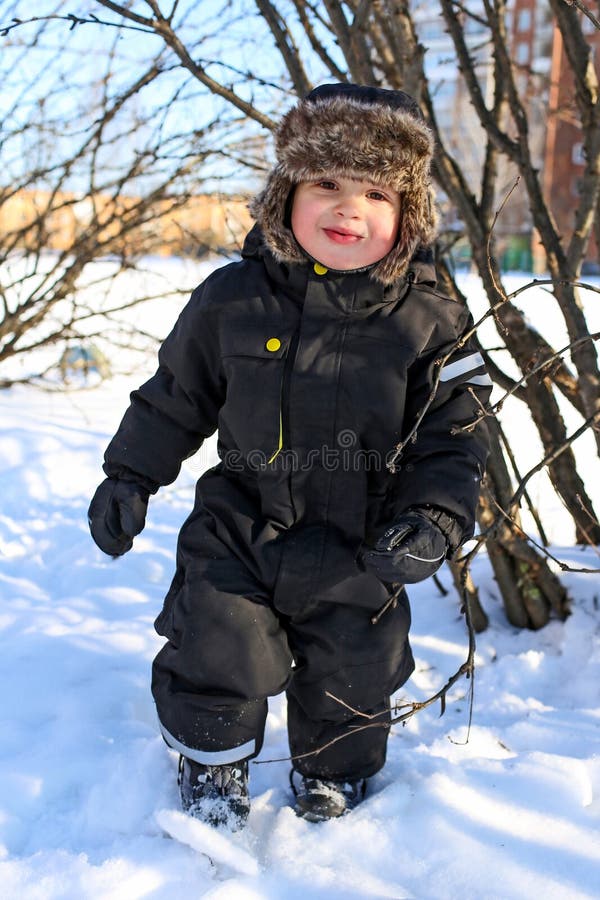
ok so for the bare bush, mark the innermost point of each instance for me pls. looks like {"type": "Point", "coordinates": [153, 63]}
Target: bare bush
{"type": "Point", "coordinates": [490, 173]}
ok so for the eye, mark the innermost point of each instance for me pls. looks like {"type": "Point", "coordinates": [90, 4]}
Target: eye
{"type": "Point", "coordinates": [327, 185]}
{"type": "Point", "coordinates": [376, 195]}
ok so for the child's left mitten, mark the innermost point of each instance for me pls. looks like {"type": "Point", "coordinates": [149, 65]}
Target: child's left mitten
{"type": "Point", "coordinates": [411, 550]}
{"type": "Point", "coordinates": [116, 514]}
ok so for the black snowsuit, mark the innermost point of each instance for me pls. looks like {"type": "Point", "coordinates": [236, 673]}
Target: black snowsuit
{"type": "Point", "coordinates": [311, 378]}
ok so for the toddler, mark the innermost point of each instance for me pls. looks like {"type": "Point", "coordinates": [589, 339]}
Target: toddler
{"type": "Point", "coordinates": [312, 357]}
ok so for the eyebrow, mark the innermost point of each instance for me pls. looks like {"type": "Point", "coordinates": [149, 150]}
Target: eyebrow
{"type": "Point", "coordinates": [372, 186]}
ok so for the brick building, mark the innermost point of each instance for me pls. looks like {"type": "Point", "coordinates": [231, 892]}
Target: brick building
{"type": "Point", "coordinates": [564, 161]}
{"type": "Point", "coordinates": [546, 86]}
{"type": "Point", "coordinates": [171, 226]}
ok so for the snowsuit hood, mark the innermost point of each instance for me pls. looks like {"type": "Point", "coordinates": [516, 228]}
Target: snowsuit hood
{"type": "Point", "coordinates": [360, 132]}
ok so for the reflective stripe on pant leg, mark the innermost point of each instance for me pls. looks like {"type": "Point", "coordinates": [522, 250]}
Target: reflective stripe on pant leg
{"type": "Point", "coordinates": [209, 758]}
{"type": "Point", "coordinates": [225, 655]}
{"type": "Point", "coordinates": [197, 716]}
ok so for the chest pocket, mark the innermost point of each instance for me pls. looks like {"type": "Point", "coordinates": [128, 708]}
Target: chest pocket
{"type": "Point", "coordinates": [270, 344]}
{"type": "Point", "coordinates": [254, 365]}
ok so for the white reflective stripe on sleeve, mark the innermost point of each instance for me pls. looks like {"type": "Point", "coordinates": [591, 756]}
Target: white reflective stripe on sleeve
{"type": "Point", "coordinates": [210, 757]}
{"type": "Point", "coordinates": [484, 380]}
{"type": "Point", "coordinates": [466, 364]}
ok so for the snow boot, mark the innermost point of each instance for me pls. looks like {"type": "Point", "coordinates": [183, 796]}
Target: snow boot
{"type": "Point", "coordinates": [319, 799]}
{"type": "Point", "coordinates": [217, 795]}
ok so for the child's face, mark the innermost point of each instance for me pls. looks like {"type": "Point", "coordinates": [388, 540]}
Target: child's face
{"type": "Point", "coordinates": [345, 224]}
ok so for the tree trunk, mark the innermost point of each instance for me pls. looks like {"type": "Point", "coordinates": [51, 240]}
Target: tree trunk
{"type": "Point", "coordinates": [464, 584]}
{"type": "Point", "coordinates": [527, 350]}
{"type": "Point", "coordinates": [531, 593]}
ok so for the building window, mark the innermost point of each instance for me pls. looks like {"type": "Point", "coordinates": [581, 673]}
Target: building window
{"type": "Point", "coordinates": [577, 154]}
{"type": "Point", "coordinates": [524, 20]}
{"type": "Point", "coordinates": [522, 53]}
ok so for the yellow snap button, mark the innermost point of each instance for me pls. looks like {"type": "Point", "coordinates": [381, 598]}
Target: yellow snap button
{"type": "Point", "coordinates": [273, 344]}
{"type": "Point", "coordinates": [319, 269]}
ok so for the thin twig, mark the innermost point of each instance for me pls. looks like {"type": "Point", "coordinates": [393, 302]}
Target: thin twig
{"type": "Point", "coordinates": [499, 289]}
{"type": "Point", "coordinates": [563, 566]}
{"type": "Point", "coordinates": [584, 9]}
{"type": "Point", "coordinates": [588, 512]}
{"type": "Point", "coordinates": [74, 21]}
{"type": "Point", "coordinates": [550, 457]}
{"type": "Point", "coordinates": [519, 477]}
{"type": "Point", "coordinates": [467, 669]}
{"type": "Point", "coordinates": [580, 527]}
{"type": "Point", "coordinates": [497, 406]}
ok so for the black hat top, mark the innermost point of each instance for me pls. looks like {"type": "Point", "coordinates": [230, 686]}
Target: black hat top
{"type": "Point", "coordinates": [369, 95]}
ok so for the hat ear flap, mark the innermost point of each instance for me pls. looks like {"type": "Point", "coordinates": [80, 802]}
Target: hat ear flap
{"type": "Point", "coordinates": [417, 228]}
{"type": "Point", "coordinates": [272, 209]}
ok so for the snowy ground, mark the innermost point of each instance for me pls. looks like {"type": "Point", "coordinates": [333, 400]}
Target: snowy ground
{"type": "Point", "coordinates": [87, 786]}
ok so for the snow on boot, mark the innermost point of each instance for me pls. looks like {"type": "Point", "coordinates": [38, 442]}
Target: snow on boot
{"type": "Point", "coordinates": [217, 795]}
{"type": "Point", "coordinates": [319, 799]}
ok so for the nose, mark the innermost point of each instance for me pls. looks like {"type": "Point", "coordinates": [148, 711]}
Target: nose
{"type": "Point", "coordinates": [347, 207]}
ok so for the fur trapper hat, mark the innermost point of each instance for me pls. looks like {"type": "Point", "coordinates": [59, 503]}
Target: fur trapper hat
{"type": "Point", "coordinates": [353, 131]}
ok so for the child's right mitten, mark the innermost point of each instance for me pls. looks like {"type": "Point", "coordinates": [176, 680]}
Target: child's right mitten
{"type": "Point", "coordinates": [116, 514]}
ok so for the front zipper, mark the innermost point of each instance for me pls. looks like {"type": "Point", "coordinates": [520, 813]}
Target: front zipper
{"type": "Point", "coordinates": [290, 358]}
{"type": "Point", "coordinates": [284, 395]}
{"type": "Point", "coordinates": [280, 442]}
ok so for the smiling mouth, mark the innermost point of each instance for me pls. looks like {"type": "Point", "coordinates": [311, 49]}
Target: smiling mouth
{"type": "Point", "coordinates": [341, 236]}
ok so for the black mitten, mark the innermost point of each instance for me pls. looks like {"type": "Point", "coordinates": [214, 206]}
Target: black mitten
{"type": "Point", "coordinates": [116, 514]}
{"type": "Point", "coordinates": [410, 551]}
